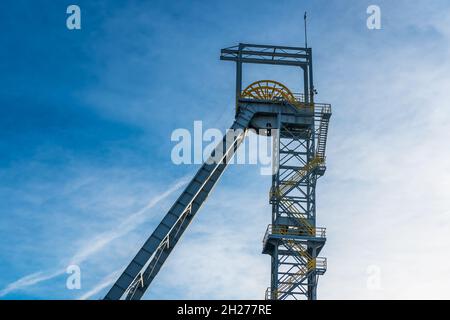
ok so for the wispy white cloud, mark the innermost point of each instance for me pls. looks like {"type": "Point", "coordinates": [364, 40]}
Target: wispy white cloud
{"type": "Point", "coordinates": [134, 220]}
{"type": "Point", "coordinates": [97, 243]}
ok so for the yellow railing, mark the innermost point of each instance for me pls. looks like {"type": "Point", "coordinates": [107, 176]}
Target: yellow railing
{"type": "Point", "coordinates": [306, 227]}
{"type": "Point", "coordinates": [292, 231]}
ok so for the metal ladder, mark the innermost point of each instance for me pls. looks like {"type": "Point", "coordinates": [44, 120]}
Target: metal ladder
{"type": "Point", "coordinates": [315, 162]}
{"type": "Point", "coordinates": [323, 131]}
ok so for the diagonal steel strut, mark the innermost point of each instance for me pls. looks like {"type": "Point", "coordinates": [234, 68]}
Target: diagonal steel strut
{"type": "Point", "coordinates": [141, 271]}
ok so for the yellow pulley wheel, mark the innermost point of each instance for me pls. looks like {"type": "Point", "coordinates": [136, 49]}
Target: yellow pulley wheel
{"type": "Point", "coordinates": [268, 90]}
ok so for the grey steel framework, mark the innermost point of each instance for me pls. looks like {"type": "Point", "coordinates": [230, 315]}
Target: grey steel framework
{"type": "Point", "coordinates": [300, 129]}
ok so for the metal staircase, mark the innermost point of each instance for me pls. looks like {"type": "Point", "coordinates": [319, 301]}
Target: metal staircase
{"type": "Point", "coordinates": [298, 177]}
{"type": "Point", "coordinates": [323, 131]}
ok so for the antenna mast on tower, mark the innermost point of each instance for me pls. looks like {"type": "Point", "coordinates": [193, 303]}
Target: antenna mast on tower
{"type": "Point", "coordinates": [306, 34]}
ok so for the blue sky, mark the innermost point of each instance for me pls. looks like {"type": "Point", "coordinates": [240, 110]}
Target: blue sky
{"type": "Point", "coordinates": [85, 125]}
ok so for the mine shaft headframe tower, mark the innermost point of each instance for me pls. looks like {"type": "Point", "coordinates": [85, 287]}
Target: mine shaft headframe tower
{"type": "Point", "coordinates": [292, 239]}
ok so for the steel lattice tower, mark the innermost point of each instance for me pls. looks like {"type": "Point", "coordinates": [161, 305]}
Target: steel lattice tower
{"type": "Point", "coordinates": [300, 129]}
{"type": "Point", "coordinates": [292, 240]}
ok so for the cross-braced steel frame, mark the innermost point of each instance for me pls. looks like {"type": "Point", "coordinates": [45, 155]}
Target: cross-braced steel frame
{"type": "Point", "coordinates": [292, 240]}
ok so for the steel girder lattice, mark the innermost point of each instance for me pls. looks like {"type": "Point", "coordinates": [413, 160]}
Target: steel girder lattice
{"type": "Point", "coordinates": [293, 240]}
